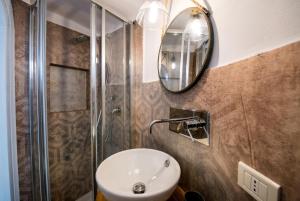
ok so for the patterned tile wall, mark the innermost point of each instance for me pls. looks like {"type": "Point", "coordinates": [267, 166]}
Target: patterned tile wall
{"type": "Point", "coordinates": [69, 154]}
{"type": "Point", "coordinates": [69, 132]}
{"type": "Point", "coordinates": [21, 19]}
{"type": "Point", "coordinates": [255, 110]}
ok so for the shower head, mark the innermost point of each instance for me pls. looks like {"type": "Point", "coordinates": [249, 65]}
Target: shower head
{"type": "Point", "coordinates": [80, 39]}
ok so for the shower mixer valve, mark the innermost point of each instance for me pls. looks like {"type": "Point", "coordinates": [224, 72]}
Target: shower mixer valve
{"type": "Point", "coordinates": [116, 110]}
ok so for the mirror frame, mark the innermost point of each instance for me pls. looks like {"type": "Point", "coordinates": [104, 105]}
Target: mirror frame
{"type": "Point", "coordinates": [208, 55]}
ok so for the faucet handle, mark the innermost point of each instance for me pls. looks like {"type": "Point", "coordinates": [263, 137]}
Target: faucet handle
{"type": "Point", "coordinates": [194, 123]}
{"type": "Point", "coordinates": [179, 127]}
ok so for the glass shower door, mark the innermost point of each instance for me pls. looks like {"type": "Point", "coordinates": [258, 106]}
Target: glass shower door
{"type": "Point", "coordinates": [117, 86]}
{"type": "Point", "coordinates": [79, 101]}
{"type": "Point", "coordinates": [110, 85]}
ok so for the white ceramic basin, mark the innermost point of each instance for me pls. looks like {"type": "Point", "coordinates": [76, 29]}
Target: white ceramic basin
{"type": "Point", "coordinates": [117, 175]}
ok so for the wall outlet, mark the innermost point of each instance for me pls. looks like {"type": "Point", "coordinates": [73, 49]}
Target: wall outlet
{"type": "Point", "coordinates": [256, 184]}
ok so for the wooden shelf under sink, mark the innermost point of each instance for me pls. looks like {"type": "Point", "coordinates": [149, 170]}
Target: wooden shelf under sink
{"type": "Point", "coordinates": [178, 195]}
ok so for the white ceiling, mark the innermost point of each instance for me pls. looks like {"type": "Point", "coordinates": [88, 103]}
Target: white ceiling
{"type": "Point", "coordinates": [75, 14]}
{"type": "Point", "coordinates": [124, 8]}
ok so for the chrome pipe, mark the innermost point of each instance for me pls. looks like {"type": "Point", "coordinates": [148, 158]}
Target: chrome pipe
{"type": "Point", "coordinates": [42, 99]}
{"type": "Point", "coordinates": [93, 96]}
{"type": "Point", "coordinates": [158, 121]}
{"type": "Point", "coordinates": [103, 79]}
{"type": "Point", "coordinates": [32, 109]}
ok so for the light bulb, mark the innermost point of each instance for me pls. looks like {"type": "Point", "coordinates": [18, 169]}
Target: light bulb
{"type": "Point", "coordinates": [173, 62]}
{"type": "Point", "coordinates": [173, 65]}
{"type": "Point", "coordinates": [153, 13]}
{"type": "Point", "coordinates": [195, 29]}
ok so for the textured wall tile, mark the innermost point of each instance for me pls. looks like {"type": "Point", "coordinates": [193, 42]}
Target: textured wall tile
{"type": "Point", "coordinates": [69, 154]}
{"type": "Point", "coordinates": [21, 20]}
{"type": "Point", "coordinates": [255, 109]}
{"type": "Point", "coordinates": [68, 117]}
{"type": "Point", "coordinates": [61, 48]}
{"type": "Point", "coordinates": [68, 89]}
{"type": "Point", "coordinates": [272, 105]}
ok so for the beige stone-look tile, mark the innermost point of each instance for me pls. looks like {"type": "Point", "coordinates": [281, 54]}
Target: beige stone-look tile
{"type": "Point", "coordinates": [254, 106]}
{"type": "Point", "coordinates": [272, 105]}
{"type": "Point", "coordinates": [62, 50]}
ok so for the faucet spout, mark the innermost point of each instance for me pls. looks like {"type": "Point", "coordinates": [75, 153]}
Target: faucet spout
{"type": "Point", "coordinates": [158, 121]}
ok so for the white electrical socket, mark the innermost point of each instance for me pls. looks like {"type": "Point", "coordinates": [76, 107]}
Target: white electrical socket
{"type": "Point", "coordinates": [256, 184]}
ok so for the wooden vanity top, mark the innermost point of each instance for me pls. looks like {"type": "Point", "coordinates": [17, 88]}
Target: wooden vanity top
{"type": "Point", "coordinates": [178, 195]}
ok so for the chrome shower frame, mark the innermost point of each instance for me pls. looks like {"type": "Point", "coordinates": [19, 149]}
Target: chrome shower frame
{"type": "Point", "coordinates": [38, 126]}
{"type": "Point", "coordinates": [93, 95]}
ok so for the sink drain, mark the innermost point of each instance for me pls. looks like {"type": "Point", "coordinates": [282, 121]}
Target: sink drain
{"type": "Point", "coordinates": [139, 188]}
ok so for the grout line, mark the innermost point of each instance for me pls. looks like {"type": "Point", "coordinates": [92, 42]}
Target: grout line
{"type": "Point", "coordinates": [249, 133]}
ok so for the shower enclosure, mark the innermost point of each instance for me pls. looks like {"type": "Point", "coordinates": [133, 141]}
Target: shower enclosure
{"type": "Point", "coordinates": [110, 84]}
{"type": "Point", "coordinates": [79, 101]}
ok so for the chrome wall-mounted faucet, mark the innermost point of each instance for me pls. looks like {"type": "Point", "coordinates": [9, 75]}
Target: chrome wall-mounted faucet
{"type": "Point", "coordinates": [158, 121]}
{"type": "Point", "coordinates": [194, 124]}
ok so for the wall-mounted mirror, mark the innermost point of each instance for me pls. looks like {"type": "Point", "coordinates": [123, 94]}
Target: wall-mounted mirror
{"type": "Point", "coordinates": [185, 50]}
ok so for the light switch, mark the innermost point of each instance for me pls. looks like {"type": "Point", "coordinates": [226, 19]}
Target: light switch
{"type": "Point", "coordinates": [256, 184]}
{"type": "Point", "coordinates": [262, 191]}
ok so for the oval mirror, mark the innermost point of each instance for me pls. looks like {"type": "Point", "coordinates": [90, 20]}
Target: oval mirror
{"type": "Point", "coordinates": [185, 50]}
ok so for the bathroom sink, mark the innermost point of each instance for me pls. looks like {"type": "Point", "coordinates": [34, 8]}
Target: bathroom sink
{"type": "Point", "coordinates": [138, 175]}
